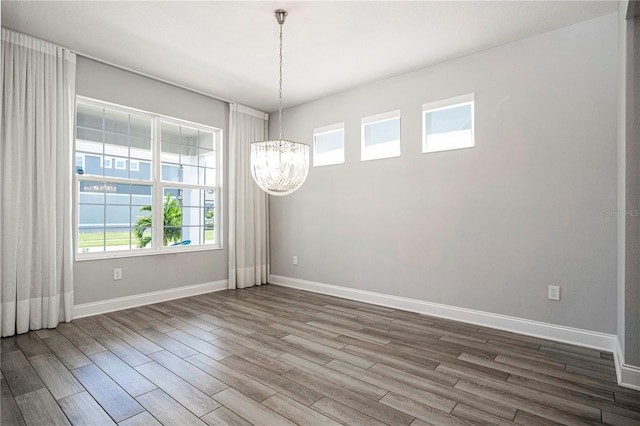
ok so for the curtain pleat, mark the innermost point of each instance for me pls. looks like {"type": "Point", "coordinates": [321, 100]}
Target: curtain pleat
{"type": "Point", "coordinates": [248, 205]}
{"type": "Point", "coordinates": [37, 87]}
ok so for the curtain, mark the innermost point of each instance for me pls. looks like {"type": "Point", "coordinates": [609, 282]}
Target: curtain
{"type": "Point", "coordinates": [37, 91]}
{"type": "Point", "coordinates": [248, 205]}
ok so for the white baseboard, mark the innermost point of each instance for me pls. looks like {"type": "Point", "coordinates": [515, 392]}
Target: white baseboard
{"type": "Point", "coordinates": [575, 336]}
{"type": "Point", "coordinates": [628, 375]}
{"type": "Point", "coordinates": [110, 305]}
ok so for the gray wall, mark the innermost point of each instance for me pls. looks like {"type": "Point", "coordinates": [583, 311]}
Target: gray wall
{"type": "Point", "coordinates": [487, 228]}
{"type": "Point", "coordinates": [631, 298]}
{"type": "Point", "coordinates": [621, 136]}
{"type": "Point", "coordinates": [143, 274]}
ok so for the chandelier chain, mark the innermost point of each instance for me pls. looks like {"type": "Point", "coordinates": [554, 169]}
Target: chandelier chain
{"type": "Point", "coordinates": [280, 89]}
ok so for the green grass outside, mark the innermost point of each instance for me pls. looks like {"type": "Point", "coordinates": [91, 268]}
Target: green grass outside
{"type": "Point", "coordinates": [98, 239]}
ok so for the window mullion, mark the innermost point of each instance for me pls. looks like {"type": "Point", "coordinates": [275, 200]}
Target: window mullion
{"type": "Point", "coordinates": [158, 199]}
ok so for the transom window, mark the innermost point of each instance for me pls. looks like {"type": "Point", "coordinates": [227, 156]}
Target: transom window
{"type": "Point", "coordinates": [145, 183]}
{"type": "Point", "coordinates": [448, 124]}
{"type": "Point", "coordinates": [328, 145]}
{"type": "Point", "coordinates": [381, 136]}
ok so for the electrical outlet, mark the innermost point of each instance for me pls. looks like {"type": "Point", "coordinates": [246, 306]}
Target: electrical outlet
{"type": "Point", "coordinates": [117, 274]}
{"type": "Point", "coordinates": [295, 260]}
{"type": "Point", "coordinates": [554, 292]}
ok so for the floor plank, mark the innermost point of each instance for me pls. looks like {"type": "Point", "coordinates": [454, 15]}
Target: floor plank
{"type": "Point", "coordinates": [252, 411]}
{"type": "Point", "coordinates": [189, 396]}
{"type": "Point", "coordinates": [167, 410]}
{"type": "Point", "coordinates": [67, 352]}
{"type": "Point", "coordinates": [233, 378]}
{"type": "Point", "coordinates": [9, 411]}
{"type": "Point", "coordinates": [124, 375]}
{"type": "Point", "coordinates": [107, 393]}
{"type": "Point", "coordinates": [343, 414]}
{"type": "Point", "coordinates": [224, 417]}
{"type": "Point", "coordinates": [198, 378]}
{"type": "Point", "coordinates": [55, 376]}
{"type": "Point", "coordinates": [87, 344]}
{"type": "Point", "coordinates": [82, 409]}
{"type": "Point", "coordinates": [272, 380]}
{"type": "Point", "coordinates": [297, 412]}
{"type": "Point", "coordinates": [142, 419]}
{"type": "Point", "coordinates": [19, 374]}
{"type": "Point", "coordinates": [39, 408]}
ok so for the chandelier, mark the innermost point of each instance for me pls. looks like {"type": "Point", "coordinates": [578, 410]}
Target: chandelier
{"type": "Point", "coordinates": [279, 167]}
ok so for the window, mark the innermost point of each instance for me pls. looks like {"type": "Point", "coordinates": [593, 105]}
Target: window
{"type": "Point", "coordinates": [448, 124]}
{"type": "Point", "coordinates": [189, 157]}
{"type": "Point", "coordinates": [381, 136]}
{"type": "Point", "coordinates": [140, 170]}
{"type": "Point", "coordinates": [121, 164]}
{"type": "Point", "coordinates": [328, 145]}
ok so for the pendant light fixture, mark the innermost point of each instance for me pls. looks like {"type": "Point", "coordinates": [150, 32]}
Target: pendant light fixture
{"type": "Point", "coordinates": [279, 167]}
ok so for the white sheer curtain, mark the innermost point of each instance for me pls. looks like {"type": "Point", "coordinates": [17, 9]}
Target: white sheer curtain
{"type": "Point", "coordinates": [248, 205]}
{"type": "Point", "coordinates": [37, 91]}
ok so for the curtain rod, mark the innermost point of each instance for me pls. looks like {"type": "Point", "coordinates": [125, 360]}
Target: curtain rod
{"type": "Point", "coordinates": [123, 68]}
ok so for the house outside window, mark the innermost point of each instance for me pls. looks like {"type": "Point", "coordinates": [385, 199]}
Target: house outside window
{"type": "Point", "coordinates": [125, 202]}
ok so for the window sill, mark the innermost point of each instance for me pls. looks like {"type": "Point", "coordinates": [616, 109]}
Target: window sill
{"type": "Point", "coordinates": [82, 257]}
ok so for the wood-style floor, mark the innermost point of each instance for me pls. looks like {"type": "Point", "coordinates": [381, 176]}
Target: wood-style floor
{"type": "Point", "coordinates": [275, 356]}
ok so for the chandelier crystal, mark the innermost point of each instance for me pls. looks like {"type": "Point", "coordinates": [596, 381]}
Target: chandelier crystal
{"type": "Point", "coordinates": [279, 167]}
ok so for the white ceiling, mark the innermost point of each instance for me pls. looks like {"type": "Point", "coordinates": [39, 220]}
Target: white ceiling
{"type": "Point", "coordinates": [229, 49]}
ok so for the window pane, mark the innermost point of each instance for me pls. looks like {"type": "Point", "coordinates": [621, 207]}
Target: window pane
{"type": "Point", "coordinates": [171, 173]}
{"type": "Point", "coordinates": [140, 148]}
{"type": "Point", "coordinates": [189, 215]}
{"type": "Point", "coordinates": [328, 148]}
{"type": "Point", "coordinates": [187, 153]}
{"type": "Point", "coordinates": [190, 174]}
{"type": "Point", "coordinates": [208, 159]}
{"type": "Point", "coordinates": [90, 240]}
{"type": "Point", "coordinates": [448, 127]}
{"type": "Point", "coordinates": [381, 139]}
{"type": "Point", "coordinates": [208, 177]}
{"type": "Point", "coordinates": [116, 121]}
{"type": "Point", "coordinates": [118, 215]}
{"type": "Point", "coordinates": [91, 192]}
{"type": "Point", "coordinates": [107, 207]}
{"type": "Point", "coordinates": [117, 238]}
{"type": "Point", "coordinates": [140, 126]}
{"type": "Point", "coordinates": [89, 116]}
{"type": "Point", "coordinates": [88, 135]}
{"type": "Point", "coordinates": [90, 215]}
{"type": "Point", "coordinates": [382, 132]}
{"type": "Point", "coordinates": [141, 195]}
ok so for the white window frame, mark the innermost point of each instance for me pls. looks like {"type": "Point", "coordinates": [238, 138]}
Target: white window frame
{"type": "Point", "coordinates": [443, 104]}
{"type": "Point", "coordinates": [156, 185]}
{"type": "Point", "coordinates": [137, 165]}
{"type": "Point", "coordinates": [323, 131]}
{"type": "Point", "coordinates": [378, 118]}
{"type": "Point", "coordinates": [106, 162]}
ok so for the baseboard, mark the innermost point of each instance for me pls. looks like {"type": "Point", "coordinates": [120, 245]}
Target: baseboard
{"type": "Point", "coordinates": [628, 375]}
{"type": "Point", "coordinates": [110, 305]}
{"type": "Point", "coordinates": [575, 336]}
